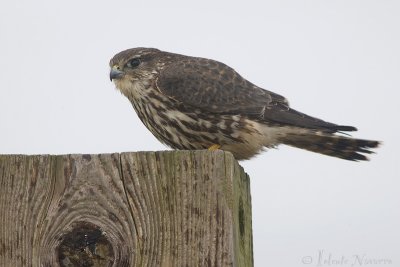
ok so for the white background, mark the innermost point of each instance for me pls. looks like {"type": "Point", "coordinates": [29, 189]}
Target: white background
{"type": "Point", "coordinates": [337, 60]}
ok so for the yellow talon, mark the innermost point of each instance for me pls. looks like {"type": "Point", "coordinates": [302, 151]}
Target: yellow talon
{"type": "Point", "coordinates": [214, 147]}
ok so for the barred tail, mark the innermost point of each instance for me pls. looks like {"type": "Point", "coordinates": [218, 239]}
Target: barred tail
{"type": "Point", "coordinates": [332, 145]}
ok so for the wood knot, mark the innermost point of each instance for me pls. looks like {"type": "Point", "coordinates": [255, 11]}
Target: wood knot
{"type": "Point", "coordinates": [86, 246]}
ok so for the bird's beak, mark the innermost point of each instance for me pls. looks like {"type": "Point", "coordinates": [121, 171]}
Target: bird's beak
{"type": "Point", "coordinates": [116, 73]}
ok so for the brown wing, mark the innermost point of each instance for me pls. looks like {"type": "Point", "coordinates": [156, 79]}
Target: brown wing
{"type": "Point", "coordinates": [214, 87]}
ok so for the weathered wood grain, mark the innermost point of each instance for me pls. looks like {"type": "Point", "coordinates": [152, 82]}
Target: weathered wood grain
{"type": "Point", "coordinates": [174, 208]}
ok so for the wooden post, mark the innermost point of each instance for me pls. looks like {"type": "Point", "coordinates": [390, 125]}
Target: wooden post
{"type": "Point", "coordinates": [173, 208]}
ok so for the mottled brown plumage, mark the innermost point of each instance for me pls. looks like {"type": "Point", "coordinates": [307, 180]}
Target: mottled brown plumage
{"type": "Point", "coordinates": [195, 103]}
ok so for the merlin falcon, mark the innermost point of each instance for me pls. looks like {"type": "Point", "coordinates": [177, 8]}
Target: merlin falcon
{"type": "Point", "coordinates": [197, 103]}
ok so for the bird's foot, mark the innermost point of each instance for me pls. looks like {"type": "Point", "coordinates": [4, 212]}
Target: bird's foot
{"type": "Point", "coordinates": [214, 147]}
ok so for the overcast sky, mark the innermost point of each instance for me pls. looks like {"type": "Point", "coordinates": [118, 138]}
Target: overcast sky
{"type": "Point", "coordinates": [337, 60]}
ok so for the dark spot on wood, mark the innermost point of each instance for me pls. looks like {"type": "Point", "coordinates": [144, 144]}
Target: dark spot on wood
{"type": "Point", "coordinates": [241, 218]}
{"type": "Point", "coordinates": [86, 157]}
{"type": "Point", "coordinates": [91, 192]}
{"type": "Point", "coordinates": [62, 207]}
{"type": "Point", "coordinates": [2, 248]}
{"type": "Point", "coordinates": [112, 217]}
{"type": "Point", "coordinates": [86, 246]}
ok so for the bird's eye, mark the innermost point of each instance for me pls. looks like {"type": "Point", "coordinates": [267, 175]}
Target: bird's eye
{"type": "Point", "coordinates": [133, 63]}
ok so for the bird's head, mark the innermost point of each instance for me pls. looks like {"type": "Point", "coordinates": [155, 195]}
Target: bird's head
{"type": "Point", "coordinates": [135, 65]}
